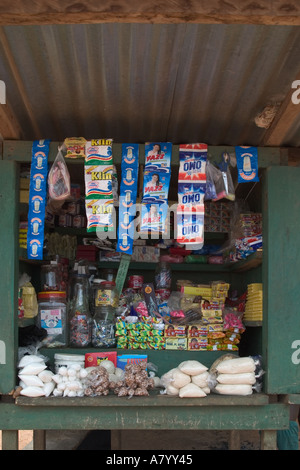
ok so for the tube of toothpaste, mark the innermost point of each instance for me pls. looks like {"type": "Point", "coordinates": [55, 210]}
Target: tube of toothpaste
{"type": "Point", "coordinates": [128, 195]}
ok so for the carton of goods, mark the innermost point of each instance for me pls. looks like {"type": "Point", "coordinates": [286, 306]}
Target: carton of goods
{"type": "Point", "coordinates": [95, 358]}
{"type": "Point", "coordinates": [195, 331]}
{"type": "Point", "coordinates": [125, 359]}
{"type": "Point", "coordinates": [197, 344]}
{"type": "Point", "coordinates": [176, 343]}
{"type": "Point", "coordinates": [175, 331]}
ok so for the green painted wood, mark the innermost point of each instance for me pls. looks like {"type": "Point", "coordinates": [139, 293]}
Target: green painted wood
{"type": "Point", "coordinates": [280, 272]}
{"type": "Point", "coordinates": [9, 196]}
{"type": "Point", "coordinates": [154, 399]}
{"type": "Point", "coordinates": [271, 416]}
{"type": "Point", "coordinates": [21, 151]}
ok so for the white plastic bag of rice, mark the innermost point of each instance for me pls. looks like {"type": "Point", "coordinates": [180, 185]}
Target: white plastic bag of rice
{"type": "Point", "coordinates": [33, 369]}
{"type": "Point", "coordinates": [31, 380]}
{"type": "Point", "coordinates": [179, 379]}
{"type": "Point", "coordinates": [238, 365]}
{"type": "Point", "coordinates": [192, 367]}
{"type": "Point", "coordinates": [33, 392]}
{"type": "Point", "coordinates": [244, 378]}
{"type": "Point", "coordinates": [240, 389]}
{"type": "Point", "coordinates": [201, 379]}
{"type": "Point", "coordinates": [192, 391]}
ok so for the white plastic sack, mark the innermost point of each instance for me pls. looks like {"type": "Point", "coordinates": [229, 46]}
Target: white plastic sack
{"type": "Point", "coordinates": [192, 367]}
{"type": "Point", "coordinates": [31, 380]}
{"type": "Point", "coordinates": [33, 392]}
{"type": "Point", "coordinates": [201, 379]}
{"type": "Point", "coordinates": [33, 369]}
{"type": "Point", "coordinates": [191, 390]}
{"type": "Point", "coordinates": [241, 389]}
{"type": "Point", "coordinates": [236, 366]}
{"type": "Point", "coordinates": [244, 378]}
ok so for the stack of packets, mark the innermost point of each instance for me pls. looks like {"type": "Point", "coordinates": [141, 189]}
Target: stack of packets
{"type": "Point", "coordinates": [217, 216]}
{"type": "Point", "coordinates": [144, 334]}
{"type": "Point", "coordinates": [98, 170]}
{"type": "Point", "coordinates": [23, 229]}
{"type": "Point", "coordinates": [157, 175]}
{"type": "Point", "coordinates": [251, 236]}
{"type": "Point", "coordinates": [214, 331]}
{"type": "Point", "coordinates": [254, 303]}
{"type": "Point", "coordinates": [191, 192]}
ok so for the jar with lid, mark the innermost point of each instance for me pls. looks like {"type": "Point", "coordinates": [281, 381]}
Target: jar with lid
{"type": "Point", "coordinates": [52, 316]}
{"type": "Point", "coordinates": [80, 319]}
{"type": "Point", "coordinates": [51, 277]}
{"type": "Point", "coordinates": [106, 301]}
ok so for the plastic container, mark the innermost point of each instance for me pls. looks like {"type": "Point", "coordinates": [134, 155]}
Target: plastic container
{"type": "Point", "coordinates": [67, 360]}
{"type": "Point", "coordinates": [52, 316]}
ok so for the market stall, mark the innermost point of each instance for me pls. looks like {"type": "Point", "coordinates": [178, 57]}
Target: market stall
{"type": "Point", "coordinates": [174, 308]}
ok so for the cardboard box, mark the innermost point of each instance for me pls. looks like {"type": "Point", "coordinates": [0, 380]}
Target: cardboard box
{"type": "Point", "coordinates": [175, 331]}
{"type": "Point", "coordinates": [125, 359]}
{"type": "Point", "coordinates": [95, 358]}
{"type": "Point", "coordinates": [176, 343]}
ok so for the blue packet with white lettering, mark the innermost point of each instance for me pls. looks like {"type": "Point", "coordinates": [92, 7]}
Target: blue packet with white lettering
{"type": "Point", "coordinates": [247, 164]}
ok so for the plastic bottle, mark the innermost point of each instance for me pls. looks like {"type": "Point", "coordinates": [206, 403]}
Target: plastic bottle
{"type": "Point", "coordinates": [162, 276]}
{"type": "Point", "coordinates": [80, 320]}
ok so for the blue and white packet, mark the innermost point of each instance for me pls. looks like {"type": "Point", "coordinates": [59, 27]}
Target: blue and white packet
{"type": "Point", "coordinates": [37, 199]}
{"type": "Point", "coordinates": [128, 195]}
{"type": "Point", "coordinates": [247, 164]}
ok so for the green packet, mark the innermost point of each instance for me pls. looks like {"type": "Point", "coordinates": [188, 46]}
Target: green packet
{"type": "Point", "coordinates": [195, 259]}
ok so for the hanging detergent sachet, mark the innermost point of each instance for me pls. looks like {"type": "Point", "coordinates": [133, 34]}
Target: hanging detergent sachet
{"type": "Point", "coordinates": [98, 170]}
{"type": "Point", "coordinates": [128, 195]}
{"type": "Point", "coordinates": [191, 192]}
{"type": "Point", "coordinates": [247, 164]}
{"type": "Point", "coordinates": [156, 183]}
{"type": "Point", "coordinates": [37, 199]}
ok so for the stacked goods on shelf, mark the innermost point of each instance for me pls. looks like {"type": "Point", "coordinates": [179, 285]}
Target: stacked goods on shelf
{"type": "Point", "coordinates": [250, 236]}
{"type": "Point", "coordinates": [254, 303]}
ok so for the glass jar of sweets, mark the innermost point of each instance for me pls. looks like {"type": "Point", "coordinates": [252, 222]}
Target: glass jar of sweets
{"type": "Point", "coordinates": [52, 316]}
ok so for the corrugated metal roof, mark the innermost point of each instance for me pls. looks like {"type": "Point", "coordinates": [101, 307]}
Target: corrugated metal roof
{"type": "Point", "coordinates": [139, 82]}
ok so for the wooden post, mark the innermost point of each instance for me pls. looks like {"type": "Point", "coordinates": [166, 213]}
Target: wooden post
{"type": "Point", "coordinates": [10, 440]}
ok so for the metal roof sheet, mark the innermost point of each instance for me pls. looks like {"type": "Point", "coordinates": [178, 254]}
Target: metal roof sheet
{"type": "Point", "coordinates": [148, 82]}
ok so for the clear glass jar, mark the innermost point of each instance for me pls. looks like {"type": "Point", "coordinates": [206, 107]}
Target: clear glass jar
{"type": "Point", "coordinates": [51, 277]}
{"type": "Point", "coordinates": [52, 316]}
{"type": "Point", "coordinates": [80, 320]}
{"type": "Point", "coordinates": [106, 300]}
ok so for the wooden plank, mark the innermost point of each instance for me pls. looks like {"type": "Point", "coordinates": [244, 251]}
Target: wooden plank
{"type": "Point", "coordinates": [271, 416]}
{"type": "Point", "coordinates": [280, 276]}
{"type": "Point", "coordinates": [154, 400]}
{"type": "Point", "coordinates": [9, 198]}
{"type": "Point", "coordinates": [287, 116]}
{"type": "Point", "coordinates": [20, 151]}
{"type": "Point", "coordinates": [9, 126]}
{"type": "Point", "coordinates": [153, 11]}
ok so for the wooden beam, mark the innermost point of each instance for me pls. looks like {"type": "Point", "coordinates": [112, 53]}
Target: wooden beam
{"type": "Point", "coordinates": [287, 115]}
{"type": "Point", "coordinates": [150, 11]}
{"type": "Point", "coordinates": [9, 126]}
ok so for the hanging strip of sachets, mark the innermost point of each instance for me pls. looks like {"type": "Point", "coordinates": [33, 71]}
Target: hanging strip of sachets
{"type": "Point", "coordinates": [128, 195]}
{"type": "Point", "coordinates": [247, 164]}
{"type": "Point", "coordinates": [98, 171]}
{"type": "Point", "coordinates": [37, 199]}
{"type": "Point", "coordinates": [157, 175]}
{"type": "Point", "coordinates": [191, 191]}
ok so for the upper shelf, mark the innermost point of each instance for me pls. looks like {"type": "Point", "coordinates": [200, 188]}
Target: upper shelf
{"type": "Point", "coordinates": [251, 262]}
